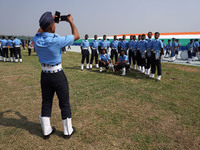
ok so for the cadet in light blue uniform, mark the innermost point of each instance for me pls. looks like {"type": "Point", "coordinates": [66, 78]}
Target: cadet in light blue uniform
{"type": "Point", "coordinates": [168, 48]}
{"type": "Point", "coordinates": [49, 46]}
{"type": "Point", "coordinates": [149, 53]}
{"type": "Point", "coordinates": [138, 53]}
{"type": "Point", "coordinates": [143, 49]}
{"type": "Point", "coordinates": [156, 58]}
{"type": "Point", "coordinates": [124, 44]}
{"type": "Point", "coordinates": [130, 49]}
{"type": "Point", "coordinates": [178, 48]}
{"type": "Point", "coordinates": [123, 63]}
{"type": "Point", "coordinates": [114, 48]}
{"type": "Point", "coordinates": [4, 45]}
{"type": "Point", "coordinates": [12, 51]}
{"type": "Point", "coordinates": [196, 49]}
{"type": "Point", "coordinates": [104, 60]}
{"type": "Point", "coordinates": [190, 48]}
{"type": "Point", "coordinates": [17, 43]}
{"type": "Point", "coordinates": [94, 48]}
{"type": "Point", "coordinates": [103, 44]}
{"type": "Point", "coordinates": [85, 52]}
{"type": "Point", "coordinates": [134, 52]}
{"type": "Point", "coordinates": [174, 48]}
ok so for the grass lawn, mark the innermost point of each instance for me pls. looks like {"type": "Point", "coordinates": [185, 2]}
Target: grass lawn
{"type": "Point", "coordinates": [108, 110]}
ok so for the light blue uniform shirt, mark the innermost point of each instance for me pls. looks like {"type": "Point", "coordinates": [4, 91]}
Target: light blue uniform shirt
{"type": "Point", "coordinates": [130, 44]}
{"type": "Point", "coordinates": [164, 45]}
{"type": "Point", "coordinates": [138, 45]}
{"type": "Point", "coordinates": [150, 44]}
{"type": "Point", "coordinates": [17, 42]}
{"type": "Point", "coordinates": [49, 47]}
{"type": "Point", "coordinates": [123, 58]}
{"type": "Point", "coordinates": [179, 44]}
{"type": "Point", "coordinates": [196, 45]}
{"type": "Point", "coordinates": [134, 45]}
{"type": "Point", "coordinates": [169, 45]}
{"type": "Point", "coordinates": [94, 44]}
{"type": "Point", "coordinates": [143, 45]}
{"type": "Point", "coordinates": [190, 46]}
{"type": "Point", "coordinates": [174, 44]}
{"type": "Point", "coordinates": [108, 43]}
{"type": "Point", "coordinates": [103, 44]}
{"type": "Point", "coordinates": [85, 44]}
{"type": "Point", "coordinates": [114, 44]}
{"type": "Point", "coordinates": [4, 42]}
{"type": "Point", "coordinates": [157, 44]}
{"type": "Point", "coordinates": [10, 43]}
{"type": "Point", "coordinates": [104, 57]}
{"type": "Point", "coordinates": [123, 45]}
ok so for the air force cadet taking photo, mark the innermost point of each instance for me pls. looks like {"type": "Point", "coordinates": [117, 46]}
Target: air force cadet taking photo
{"type": "Point", "coordinates": [49, 46]}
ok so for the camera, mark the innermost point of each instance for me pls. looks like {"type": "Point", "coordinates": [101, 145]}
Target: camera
{"type": "Point", "coordinates": [60, 18]}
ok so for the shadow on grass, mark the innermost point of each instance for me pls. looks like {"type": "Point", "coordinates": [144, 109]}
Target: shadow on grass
{"type": "Point", "coordinates": [23, 123]}
{"type": "Point", "coordinates": [130, 74]}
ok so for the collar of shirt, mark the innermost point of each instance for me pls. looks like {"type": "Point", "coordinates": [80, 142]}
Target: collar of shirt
{"type": "Point", "coordinates": [47, 34]}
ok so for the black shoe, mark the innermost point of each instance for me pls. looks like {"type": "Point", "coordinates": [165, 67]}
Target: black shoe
{"type": "Point", "coordinates": [68, 136]}
{"type": "Point", "coordinates": [46, 137]}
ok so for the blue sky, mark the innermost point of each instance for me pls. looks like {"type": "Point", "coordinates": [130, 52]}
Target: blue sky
{"type": "Point", "coordinates": [21, 17]}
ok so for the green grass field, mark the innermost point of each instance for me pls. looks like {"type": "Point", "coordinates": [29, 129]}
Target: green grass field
{"type": "Point", "coordinates": [108, 110]}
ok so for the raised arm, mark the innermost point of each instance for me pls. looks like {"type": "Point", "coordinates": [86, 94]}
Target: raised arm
{"type": "Point", "coordinates": [73, 27]}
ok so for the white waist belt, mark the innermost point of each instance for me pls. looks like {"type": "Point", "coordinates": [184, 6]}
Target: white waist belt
{"type": "Point", "coordinates": [94, 48]}
{"type": "Point", "coordinates": [49, 68]}
{"type": "Point", "coordinates": [114, 48]}
{"type": "Point", "coordinates": [4, 47]}
{"type": "Point", "coordinates": [85, 48]}
{"type": "Point", "coordinates": [17, 46]}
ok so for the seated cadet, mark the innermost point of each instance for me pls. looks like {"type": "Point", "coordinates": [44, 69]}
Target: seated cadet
{"type": "Point", "coordinates": [123, 63]}
{"type": "Point", "coordinates": [104, 60]}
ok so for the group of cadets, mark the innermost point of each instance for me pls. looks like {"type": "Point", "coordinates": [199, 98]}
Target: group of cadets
{"type": "Point", "coordinates": [13, 46]}
{"type": "Point", "coordinates": [193, 49]}
{"type": "Point", "coordinates": [173, 48]}
{"type": "Point", "coordinates": [145, 55]}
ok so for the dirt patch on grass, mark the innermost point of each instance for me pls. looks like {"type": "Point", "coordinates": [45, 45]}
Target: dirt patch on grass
{"type": "Point", "coordinates": [184, 68]}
